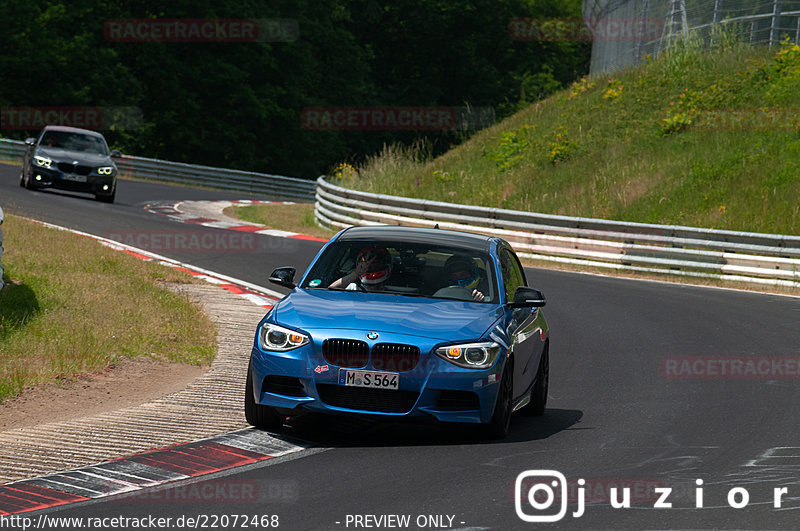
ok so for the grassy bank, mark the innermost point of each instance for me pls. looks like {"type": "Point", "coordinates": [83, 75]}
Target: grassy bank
{"type": "Point", "coordinates": [699, 138]}
{"type": "Point", "coordinates": [72, 307]}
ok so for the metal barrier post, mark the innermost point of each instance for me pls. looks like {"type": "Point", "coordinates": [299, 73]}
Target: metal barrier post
{"type": "Point", "coordinates": [1, 248]}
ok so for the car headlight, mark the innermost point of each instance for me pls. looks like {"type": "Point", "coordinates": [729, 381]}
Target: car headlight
{"type": "Point", "coordinates": [42, 161]}
{"type": "Point", "coordinates": [274, 337]}
{"type": "Point", "coordinates": [105, 170]}
{"type": "Point", "coordinates": [470, 355]}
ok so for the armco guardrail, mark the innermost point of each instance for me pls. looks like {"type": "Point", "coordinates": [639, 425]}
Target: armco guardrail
{"type": "Point", "coordinates": [755, 257]}
{"type": "Point", "coordinates": [11, 150]}
{"type": "Point", "coordinates": [237, 180]}
{"type": "Point", "coordinates": [1, 248]}
{"type": "Point", "coordinates": [177, 172]}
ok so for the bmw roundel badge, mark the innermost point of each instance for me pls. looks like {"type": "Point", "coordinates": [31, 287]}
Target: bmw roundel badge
{"type": "Point", "coordinates": [372, 335]}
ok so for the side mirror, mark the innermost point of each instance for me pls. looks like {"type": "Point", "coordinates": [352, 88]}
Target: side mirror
{"type": "Point", "coordinates": [284, 276]}
{"type": "Point", "coordinates": [526, 297]}
{"type": "Point", "coordinates": [30, 141]}
{"type": "Point", "coordinates": [116, 154]}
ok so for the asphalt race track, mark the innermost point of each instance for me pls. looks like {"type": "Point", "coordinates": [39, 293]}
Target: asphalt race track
{"type": "Point", "coordinates": [626, 409]}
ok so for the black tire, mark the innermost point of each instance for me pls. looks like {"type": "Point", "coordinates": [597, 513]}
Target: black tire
{"type": "Point", "coordinates": [106, 198]}
{"type": "Point", "coordinates": [22, 178]}
{"type": "Point", "coordinates": [501, 419]}
{"type": "Point", "coordinates": [258, 415]}
{"type": "Point", "coordinates": [536, 406]}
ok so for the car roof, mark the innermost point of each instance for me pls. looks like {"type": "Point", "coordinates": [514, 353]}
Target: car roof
{"type": "Point", "coordinates": [68, 129]}
{"type": "Point", "coordinates": [443, 237]}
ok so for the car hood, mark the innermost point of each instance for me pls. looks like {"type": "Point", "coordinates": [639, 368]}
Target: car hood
{"type": "Point", "coordinates": [431, 318]}
{"type": "Point", "coordinates": [68, 155]}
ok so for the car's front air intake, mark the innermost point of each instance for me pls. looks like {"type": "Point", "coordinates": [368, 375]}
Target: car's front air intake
{"type": "Point", "coordinates": [283, 385]}
{"type": "Point", "coordinates": [363, 399]}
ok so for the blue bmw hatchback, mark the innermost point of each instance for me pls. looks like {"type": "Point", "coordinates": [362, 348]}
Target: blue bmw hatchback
{"type": "Point", "coordinates": [401, 323]}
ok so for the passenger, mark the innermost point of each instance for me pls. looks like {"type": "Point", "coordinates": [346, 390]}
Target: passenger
{"type": "Point", "coordinates": [373, 269]}
{"type": "Point", "coordinates": [462, 271]}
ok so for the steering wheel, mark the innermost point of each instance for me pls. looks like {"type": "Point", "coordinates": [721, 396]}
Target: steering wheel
{"type": "Point", "coordinates": [454, 292]}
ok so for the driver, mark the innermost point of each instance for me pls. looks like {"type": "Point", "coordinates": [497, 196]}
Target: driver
{"type": "Point", "coordinates": [373, 269]}
{"type": "Point", "coordinates": [461, 271]}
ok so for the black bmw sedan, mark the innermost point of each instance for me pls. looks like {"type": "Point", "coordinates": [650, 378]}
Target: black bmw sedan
{"type": "Point", "coordinates": [71, 159]}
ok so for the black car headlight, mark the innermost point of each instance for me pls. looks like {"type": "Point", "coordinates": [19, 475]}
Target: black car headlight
{"type": "Point", "coordinates": [44, 162]}
{"type": "Point", "coordinates": [471, 355]}
{"type": "Point", "coordinates": [274, 337]}
{"type": "Point", "coordinates": [105, 170]}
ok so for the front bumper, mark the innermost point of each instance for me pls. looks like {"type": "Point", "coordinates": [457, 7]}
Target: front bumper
{"type": "Point", "coordinates": [304, 380]}
{"type": "Point", "coordinates": [54, 178]}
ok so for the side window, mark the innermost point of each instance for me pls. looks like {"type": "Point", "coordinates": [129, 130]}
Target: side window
{"type": "Point", "coordinates": [513, 276]}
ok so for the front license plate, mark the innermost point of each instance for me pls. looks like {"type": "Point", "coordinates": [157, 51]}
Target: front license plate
{"type": "Point", "coordinates": [375, 380]}
{"type": "Point", "coordinates": [73, 177]}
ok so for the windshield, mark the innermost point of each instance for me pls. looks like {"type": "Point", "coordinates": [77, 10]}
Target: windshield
{"type": "Point", "coordinates": [74, 142]}
{"type": "Point", "coordinates": [405, 269]}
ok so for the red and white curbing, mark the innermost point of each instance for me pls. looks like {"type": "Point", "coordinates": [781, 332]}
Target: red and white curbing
{"type": "Point", "coordinates": [258, 295]}
{"type": "Point", "coordinates": [145, 470]}
{"type": "Point", "coordinates": [181, 211]}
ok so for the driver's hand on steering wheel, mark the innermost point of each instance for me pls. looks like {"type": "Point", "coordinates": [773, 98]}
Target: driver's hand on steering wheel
{"type": "Point", "coordinates": [363, 266]}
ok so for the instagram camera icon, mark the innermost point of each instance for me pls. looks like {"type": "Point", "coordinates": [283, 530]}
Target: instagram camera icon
{"type": "Point", "coordinates": [554, 479]}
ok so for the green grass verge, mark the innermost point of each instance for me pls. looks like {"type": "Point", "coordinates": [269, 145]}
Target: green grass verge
{"type": "Point", "coordinates": [72, 307]}
{"type": "Point", "coordinates": [694, 137]}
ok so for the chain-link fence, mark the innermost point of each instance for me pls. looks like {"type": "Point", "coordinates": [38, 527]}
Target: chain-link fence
{"type": "Point", "coordinates": [626, 31]}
